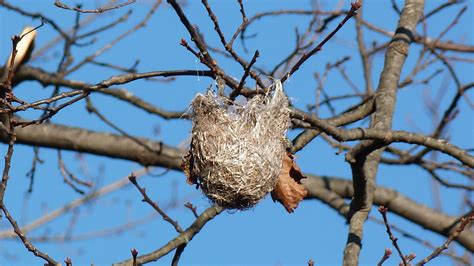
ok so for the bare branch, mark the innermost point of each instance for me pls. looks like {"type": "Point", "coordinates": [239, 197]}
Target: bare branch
{"type": "Point", "coordinates": [446, 46]}
{"type": "Point", "coordinates": [153, 204]}
{"type": "Point", "coordinates": [36, 16]}
{"type": "Point", "coordinates": [59, 4]}
{"type": "Point", "coordinates": [122, 147]}
{"type": "Point", "coordinates": [386, 255]}
{"type": "Point", "coordinates": [399, 204]}
{"type": "Point", "coordinates": [236, 92]}
{"type": "Point", "coordinates": [354, 7]}
{"type": "Point", "coordinates": [74, 204]}
{"type": "Point", "coordinates": [365, 159]}
{"type": "Point", "coordinates": [177, 255]}
{"type": "Point", "coordinates": [134, 256]}
{"type": "Point", "coordinates": [383, 210]}
{"type": "Point", "coordinates": [191, 207]}
{"type": "Point", "coordinates": [354, 114]}
{"type": "Point", "coordinates": [183, 238]}
{"type": "Point", "coordinates": [31, 248]}
{"type": "Point", "coordinates": [465, 221]}
{"type": "Point", "coordinates": [229, 48]}
{"type": "Point", "coordinates": [384, 138]}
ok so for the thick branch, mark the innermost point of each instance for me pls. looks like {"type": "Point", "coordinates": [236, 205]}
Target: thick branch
{"type": "Point", "coordinates": [359, 112]}
{"type": "Point", "coordinates": [446, 46]}
{"type": "Point", "coordinates": [105, 144]}
{"type": "Point", "coordinates": [364, 162]}
{"type": "Point", "coordinates": [384, 138]}
{"type": "Point", "coordinates": [425, 217]}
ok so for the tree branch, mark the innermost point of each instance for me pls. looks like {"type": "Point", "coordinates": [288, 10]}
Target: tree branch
{"type": "Point", "coordinates": [383, 138]}
{"type": "Point", "coordinates": [354, 7]}
{"type": "Point", "coordinates": [180, 240]}
{"type": "Point", "coordinates": [426, 217]}
{"type": "Point", "coordinates": [59, 4]}
{"type": "Point", "coordinates": [105, 144]}
{"type": "Point", "coordinates": [153, 204]}
{"type": "Point", "coordinates": [364, 162]}
{"type": "Point", "coordinates": [25, 240]}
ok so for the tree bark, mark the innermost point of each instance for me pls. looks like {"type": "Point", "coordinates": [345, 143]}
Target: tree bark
{"type": "Point", "coordinates": [365, 162]}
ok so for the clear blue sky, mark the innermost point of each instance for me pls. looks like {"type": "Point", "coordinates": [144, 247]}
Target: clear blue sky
{"type": "Point", "coordinates": [264, 235]}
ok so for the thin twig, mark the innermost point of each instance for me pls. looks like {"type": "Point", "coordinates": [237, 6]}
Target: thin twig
{"type": "Point", "coordinates": [153, 204]}
{"type": "Point", "coordinates": [74, 204]}
{"type": "Point", "coordinates": [383, 210]}
{"type": "Point", "coordinates": [69, 177]}
{"type": "Point", "coordinates": [32, 172]}
{"type": "Point", "coordinates": [59, 4]}
{"type": "Point", "coordinates": [24, 239]}
{"type": "Point", "coordinates": [105, 27]}
{"type": "Point", "coordinates": [354, 7]}
{"type": "Point", "coordinates": [6, 121]}
{"type": "Point", "coordinates": [228, 47]}
{"type": "Point", "coordinates": [53, 111]}
{"type": "Point", "coordinates": [134, 256]}
{"type": "Point", "coordinates": [465, 221]}
{"type": "Point", "coordinates": [204, 56]}
{"type": "Point", "coordinates": [91, 108]}
{"type": "Point", "coordinates": [183, 238]}
{"type": "Point", "coordinates": [191, 207]}
{"type": "Point", "coordinates": [36, 16]}
{"type": "Point", "coordinates": [236, 92]}
{"type": "Point", "coordinates": [419, 240]}
{"type": "Point", "coordinates": [386, 255]}
{"type": "Point", "coordinates": [108, 46]}
{"type": "Point", "coordinates": [6, 95]}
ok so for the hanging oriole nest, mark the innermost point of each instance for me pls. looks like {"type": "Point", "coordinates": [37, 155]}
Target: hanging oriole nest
{"type": "Point", "coordinates": [236, 150]}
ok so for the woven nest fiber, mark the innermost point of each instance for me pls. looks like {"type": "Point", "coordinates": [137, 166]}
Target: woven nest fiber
{"type": "Point", "coordinates": [236, 150]}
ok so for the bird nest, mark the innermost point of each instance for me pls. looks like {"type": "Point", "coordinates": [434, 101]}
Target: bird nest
{"type": "Point", "coordinates": [236, 150]}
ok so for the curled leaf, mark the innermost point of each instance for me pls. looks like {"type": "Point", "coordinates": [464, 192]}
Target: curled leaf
{"type": "Point", "coordinates": [187, 166]}
{"type": "Point", "coordinates": [23, 50]}
{"type": "Point", "coordinates": [288, 190]}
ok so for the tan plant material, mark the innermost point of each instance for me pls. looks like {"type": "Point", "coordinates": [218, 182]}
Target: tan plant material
{"type": "Point", "coordinates": [288, 190]}
{"type": "Point", "coordinates": [236, 150]}
{"type": "Point", "coordinates": [187, 166]}
{"type": "Point", "coordinates": [24, 49]}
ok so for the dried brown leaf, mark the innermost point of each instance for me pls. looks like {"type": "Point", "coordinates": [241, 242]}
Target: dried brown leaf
{"type": "Point", "coordinates": [288, 190]}
{"type": "Point", "coordinates": [187, 165]}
